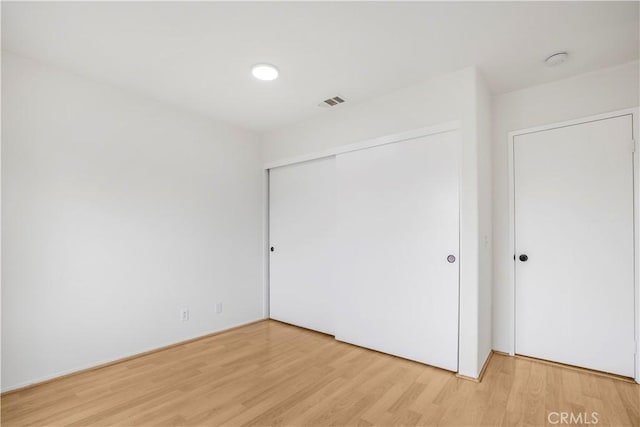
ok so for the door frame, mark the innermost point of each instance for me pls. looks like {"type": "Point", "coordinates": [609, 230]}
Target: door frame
{"type": "Point", "coordinates": [373, 142]}
{"type": "Point", "coordinates": [634, 113]}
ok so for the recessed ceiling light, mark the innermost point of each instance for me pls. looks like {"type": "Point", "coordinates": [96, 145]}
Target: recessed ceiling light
{"type": "Point", "coordinates": [556, 59]}
{"type": "Point", "coordinates": [264, 72]}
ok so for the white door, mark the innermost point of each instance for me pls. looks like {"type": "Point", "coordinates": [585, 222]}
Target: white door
{"type": "Point", "coordinates": [397, 224]}
{"type": "Point", "coordinates": [574, 245]}
{"type": "Point", "coordinates": [301, 234]}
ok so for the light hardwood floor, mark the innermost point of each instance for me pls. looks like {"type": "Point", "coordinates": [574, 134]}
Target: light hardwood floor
{"type": "Point", "coordinates": [270, 373]}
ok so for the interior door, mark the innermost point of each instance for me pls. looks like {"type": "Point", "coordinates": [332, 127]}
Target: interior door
{"type": "Point", "coordinates": [398, 231]}
{"type": "Point", "coordinates": [574, 241]}
{"type": "Point", "coordinates": [301, 234]}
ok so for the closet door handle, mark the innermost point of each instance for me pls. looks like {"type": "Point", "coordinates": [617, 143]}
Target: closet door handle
{"type": "Point", "coordinates": [272, 249]}
{"type": "Point", "coordinates": [451, 259]}
{"type": "Point", "coordinates": [523, 257]}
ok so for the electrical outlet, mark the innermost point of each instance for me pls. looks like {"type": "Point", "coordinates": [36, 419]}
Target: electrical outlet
{"type": "Point", "coordinates": [184, 314]}
{"type": "Point", "coordinates": [219, 308]}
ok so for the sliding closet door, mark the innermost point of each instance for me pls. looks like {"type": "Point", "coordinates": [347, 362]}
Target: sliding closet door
{"type": "Point", "coordinates": [301, 233]}
{"type": "Point", "coordinates": [398, 232]}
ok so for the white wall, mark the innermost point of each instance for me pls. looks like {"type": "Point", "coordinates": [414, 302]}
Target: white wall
{"type": "Point", "coordinates": [446, 98]}
{"type": "Point", "coordinates": [431, 103]}
{"type": "Point", "coordinates": [117, 211]}
{"type": "Point", "coordinates": [485, 207]}
{"type": "Point", "coordinates": [588, 94]}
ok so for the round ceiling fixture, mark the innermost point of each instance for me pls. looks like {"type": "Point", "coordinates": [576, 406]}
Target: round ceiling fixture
{"type": "Point", "coordinates": [556, 59]}
{"type": "Point", "coordinates": [265, 72]}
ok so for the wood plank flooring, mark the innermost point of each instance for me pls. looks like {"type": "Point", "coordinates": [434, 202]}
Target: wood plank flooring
{"type": "Point", "coordinates": [269, 373]}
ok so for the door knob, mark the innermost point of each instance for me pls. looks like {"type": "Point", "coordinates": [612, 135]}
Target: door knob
{"type": "Point", "coordinates": [523, 258]}
{"type": "Point", "coordinates": [451, 259]}
{"type": "Point", "coordinates": [272, 249]}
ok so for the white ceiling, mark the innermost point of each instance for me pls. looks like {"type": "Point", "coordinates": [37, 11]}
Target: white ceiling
{"type": "Point", "coordinates": [198, 55]}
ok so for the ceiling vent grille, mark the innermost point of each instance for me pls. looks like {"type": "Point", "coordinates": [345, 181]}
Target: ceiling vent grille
{"type": "Point", "coordinates": [332, 102]}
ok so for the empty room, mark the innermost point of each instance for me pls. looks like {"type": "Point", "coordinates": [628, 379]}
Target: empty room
{"type": "Point", "coordinates": [320, 213]}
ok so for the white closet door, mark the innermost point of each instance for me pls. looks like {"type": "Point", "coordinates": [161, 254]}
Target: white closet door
{"type": "Point", "coordinates": [574, 223]}
{"type": "Point", "coordinates": [301, 233]}
{"type": "Point", "coordinates": [397, 224]}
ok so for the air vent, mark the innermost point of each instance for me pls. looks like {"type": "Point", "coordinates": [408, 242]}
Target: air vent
{"type": "Point", "coordinates": [332, 102]}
